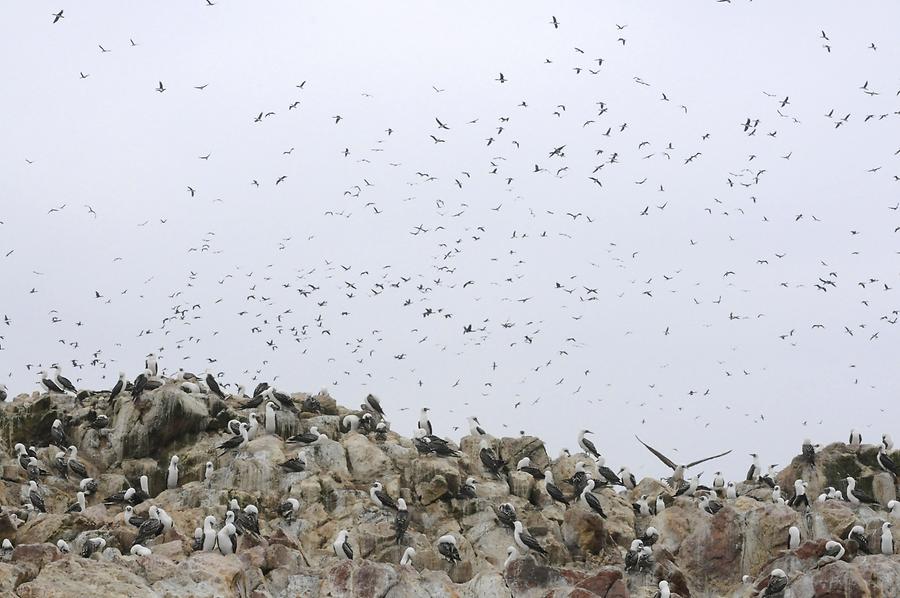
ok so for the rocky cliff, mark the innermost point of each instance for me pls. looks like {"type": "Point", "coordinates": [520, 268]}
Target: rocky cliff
{"type": "Point", "coordinates": [730, 553]}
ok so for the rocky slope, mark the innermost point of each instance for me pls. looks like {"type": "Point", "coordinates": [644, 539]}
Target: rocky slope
{"type": "Point", "coordinates": [697, 553]}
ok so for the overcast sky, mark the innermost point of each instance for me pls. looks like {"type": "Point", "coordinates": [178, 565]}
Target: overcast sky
{"type": "Point", "coordinates": [676, 301]}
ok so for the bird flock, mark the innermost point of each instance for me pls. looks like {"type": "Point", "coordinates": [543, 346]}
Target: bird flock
{"type": "Point", "coordinates": [572, 226]}
{"type": "Point", "coordinates": [581, 491]}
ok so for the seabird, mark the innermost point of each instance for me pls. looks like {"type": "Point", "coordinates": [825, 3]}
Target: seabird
{"type": "Point", "coordinates": [91, 546]}
{"type": "Point", "coordinates": [88, 486]}
{"type": "Point", "coordinates": [894, 507]}
{"type": "Point", "coordinates": [140, 384]}
{"type": "Point", "coordinates": [408, 555]}
{"type": "Point", "coordinates": [525, 540]}
{"type": "Point", "coordinates": [855, 439]}
{"type": "Point", "coordinates": [887, 538]}
{"type": "Point", "coordinates": [628, 478]}
{"type": "Point", "coordinates": [4, 394]}
{"type": "Point", "coordinates": [475, 428]}
{"type": "Point", "coordinates": [424, 422]}
{"type": "Point", "coordinates": [100, 420]}
{"type": "Point", "coordinates": [769, 477]}
{"type": "Point", "coordinates": [6, 549]}
{"type": "Point", "coordinates": [289, 508]}
{"type": "Point", "coordinates": [350, 423]}
{"type": "Point", "coordinates": [793, 537]}
{"type": "Point", "coordinates": [138, 550]}
{"type": "Point", "coordinates": [606, 473]}
{"type": "Point", "coordinates": [58, 435]}
{"type": "Point", "coordinates": [709, 506]}
{"type": "Point", "coordinates": [23, 456]}
{"type": "Point", "coordinates": [660, 504]}
{"type": "Point", "coordinates": [247, 520]}
{"type": "Point", "coordinates": [208, 471]}
{"type": "Point", "coordinates": [341, 545]}
{"type": "Point", "coordinates": [76, 466]}
{"type": "Point", "coordinates": [234, 426]}
{"type": "Point", "coordinates": [35, 498]}
{"type": "Point", "coordinates": [651, 535]}
{"type": "Point", "coordinates": [633, 555]}
{"type": "Point", "coordinates": [885, 462]}
{"type": "Point", "coordinates": [296, 464]}
{"type": "Point", "coordinates": [506, 514]}
{"type": "Point", "coordinates": [64, 382]}
{"type": "Point", "coordinates": [590, 500]}
{"type": "Point", "coordinates": [227, 539]}
{"type": "Point", "coordinates": [524, 465]}
{"type": "Point", "coordinates": [586, 445]}
{"type": "Point", "coordinates": [447, 548]}
{"type": "Point", "coordinates": [120, 497]}
{"type": "Point", "coordinates": [511, 555]}
{"type": "Point", "coordinates": [79, 505]}
{"type": "Point", "coordinates": [213, 385]}
{"type": "Point", "coordinates": [372, 402]}
{"type": "Point", "coordinates": [858, 535]}
{"type": "Point", "coordinates": [143, 493]}
{"type": "Point", "coordinates": [799, 498]}
{"type": "Point", "coordinates": [401, 520]}
{"type": "Point", "coordinates": [579, 478]}
{"type": "Point", "coordinates": [271, 423]}
{"type": "Point", "coordinates": [663, 591]}
{"type": "Point", "coordinates": [132, 519]}
{"type": "Point", "coordinates": [467, 490]}
{"type": "Point", "coordinates": [50, 384]}
{"type": "Point", "coordinates": [777, 583]}
{"type": "Point", "coordinates": [306, 437]}
{"type": "Point", "coordinates": [887, 442]}
{"type": "Point", "coordinates": [856, 496]}
{"type": "Point", "coordinates": [151, 528]}
{"type": "Point", "coordinates": [678, 470]}
{"type": "Point", "coordinates": [809, 451]}
{"type": "Point", "coordinates": [553, 490]}
{"type": "Point", "coordinates": [172, 474]}
{"type": "Point", "coordinates": [151, 364]}
{"type": "Point", "coordinates": [489, 459]}
{"type": "Point", "coordinates": [59, 464]}
{"type": "Point", "coordinates": [755, 470]}
{"type": "Point", "coordinates": [641, 507]}
{"type": "Point", "coordinates": [380, 497]}
{"type": "Point", "coordinates": [209, 533]}
{"type": "Point", "coordinates": [35, 471]}
{"type": "Point", "coordinates": [690, 487]}
{"type": "Point", "coordinates": [62, 546]}
{"type": "Point", "coordinates": [718, 483]}
{"type": "Point", "coordinates": [833, 552]}
{"type": "Point", "coordinates": [730, 491]}
{"type": "Point", "coordinates": [234, 441]}
{"type": "Point", "coordinates": [165, 519]}
{"type": "Point", "coordinates": [252, 427]}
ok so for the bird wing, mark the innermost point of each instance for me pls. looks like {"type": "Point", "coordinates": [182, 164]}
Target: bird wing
{"type": "Point", "coordinates": [707, 459]}
{"type": "Point", "coordinates": [660, 456]}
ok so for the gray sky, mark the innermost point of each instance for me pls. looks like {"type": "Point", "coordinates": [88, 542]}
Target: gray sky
{"type": "Point", "coordinates": [242, 253]}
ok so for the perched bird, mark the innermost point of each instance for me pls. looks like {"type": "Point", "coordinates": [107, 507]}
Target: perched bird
{"type": "Point", "coordinates": [489, 459]}
{"type": "Point", "coordinates": [468, 490]}
{"type": "Point", "coordinates": [858, 535]}
{"type": "Point", "coordinates": [778, 581]}
{"type": "Point", "coordinates": [447, 548]}
{"type": "Point", "coordinates": [663, 591]}
{"type": "Point", "coordinates": [809, 451]}
{"type": "Point", "coordinates": [289, 508]}
{"type": "Point", "coordinates": [525, 540]}
{"type": "Point", "coordinates": [833, 552]}
{"type": "Point", "coordinates": [650, 536]}
{"type": "Point", "coordinates": [151, 528]}
{"type": "Point", "coordinates": [506, 514]}
{"type": "Point", "coordinates": [138, 550]}
{"type": "Point", "coordinates": [633, 555]}
{"type": "Point", "coordinates": [91, 546]}
{"type": "Point", "coordinates": [172, 473]}
{"type": "Point", "coordinates": [857, 496]}
{"type": "Point", "coordinates": [886, 463]}
{"type": "Point", "coordinates": [408, 555]}
{"type": "Point", "coordinates": [887, 538]}
{"type": "Point", "coordinates": [793, 537]}
{"type": "Point", "coordinates": [380, 497]}
{"type": "Point", "coordinates": [424, 422]}
{"type": "Point", "coordinates": [855, 439]}
{"type": "Point", "coordinates": [226, 539]}
{"type": "Point", "coordinates": [401, 520]}
{"type": "Point", "coordinates": [58, 435]}
{"type": "Point", "coordinates": [35, 498]}
{"type": "Point", "coordinates": [209, 534]}
{"type": "Point", "coordinates": [341, 545]}
{"type": "Point", "coordinates": [74, 465]}
{"type": "Point", "coordinates": [709, 506]}
{"type": "Point", "coordinates": [799, 499]}
{"type": "Point", "coordinates": [524, 465]}
{"type": "Point", "coordinates": [553, 490]}
{"type": "Point", "coordinates": [296, 464]}
{"type": "Point", "coordinates": [586, 445]}
{"type": "Point", "coordinates": [79, 505]}
{"type": "Point", "coordinates": [590, 500]}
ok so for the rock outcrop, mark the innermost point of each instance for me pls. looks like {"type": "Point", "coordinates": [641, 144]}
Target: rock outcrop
{"type": "Point", "coordinates": [697, 553]}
